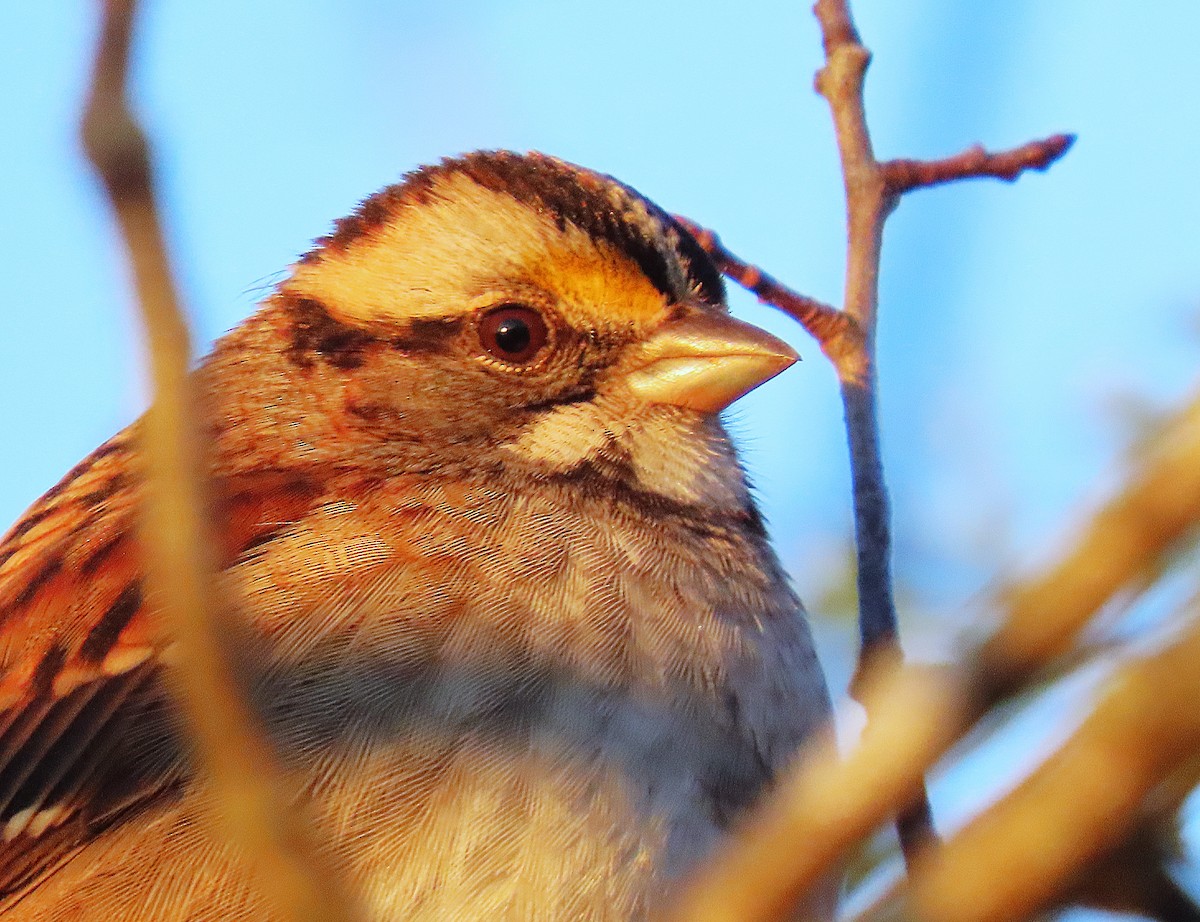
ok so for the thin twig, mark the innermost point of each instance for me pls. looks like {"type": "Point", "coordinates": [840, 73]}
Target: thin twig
{"type": "Point", "coordinates": [821, 321]}
{"type": "Point", "coordinates": [976, 163]}
{"type": "Point", "coordinates": [257, 802]}
{"type": "Point", "coordinates": [868, 203]}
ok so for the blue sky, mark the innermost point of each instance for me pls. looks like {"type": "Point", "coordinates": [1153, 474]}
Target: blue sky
{"type": "Point", "coordinates": [1020, 324]}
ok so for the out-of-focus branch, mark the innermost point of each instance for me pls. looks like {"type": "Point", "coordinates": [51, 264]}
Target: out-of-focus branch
{"type": "Point", "coordinates": [1121, 546]}
{"type": "Point", "coordinates": [257, 801]}
{"type": "Point", "coordinates": [817, 814]}
{"type": "Point", "coordinates": [1078, 807]}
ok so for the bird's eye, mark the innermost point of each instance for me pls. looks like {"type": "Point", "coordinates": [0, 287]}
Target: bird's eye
{"type": "Point", "coordinates": [513, 333]}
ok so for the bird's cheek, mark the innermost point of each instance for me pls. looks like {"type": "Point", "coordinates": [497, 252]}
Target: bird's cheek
{"type": "Point", "coordinates": [369, 405]}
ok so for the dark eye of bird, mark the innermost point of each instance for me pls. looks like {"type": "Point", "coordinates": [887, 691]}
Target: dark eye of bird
{"type": "Point", "coordinates": [513, 333]}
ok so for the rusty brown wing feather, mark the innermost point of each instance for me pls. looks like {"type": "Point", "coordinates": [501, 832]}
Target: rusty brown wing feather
{"type": "Point", "coordinates": [85, 732]}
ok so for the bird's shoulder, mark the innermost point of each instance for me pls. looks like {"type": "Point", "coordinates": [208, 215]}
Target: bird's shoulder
{"type": "Point", "coordinates": [86, 731]}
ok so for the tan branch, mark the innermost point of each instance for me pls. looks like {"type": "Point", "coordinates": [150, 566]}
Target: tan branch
{"type": "Point", "coordinates": [824, 323]}
{"type": "Point", "coordinates": [1078, 807]}
{"type": "Point", "coordinates": [828, 805]}
{"type": "Point", "coordinates": [258, 802]}
{"type": "Point", "coordinates": [903, 176]}
{"type": "Point", "coordinates": [1121, 546]}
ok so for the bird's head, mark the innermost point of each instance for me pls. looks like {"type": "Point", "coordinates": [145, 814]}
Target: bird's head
{"type": "Point", "coordinates": [515, 310]}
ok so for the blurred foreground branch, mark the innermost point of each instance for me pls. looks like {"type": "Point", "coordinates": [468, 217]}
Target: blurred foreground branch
{"type": "Point", "coordinates": [817, 814]}
{"type": "Point", "coordinates": [1077, 807]}
{"type": "Point", "coordinates": [257, 802]}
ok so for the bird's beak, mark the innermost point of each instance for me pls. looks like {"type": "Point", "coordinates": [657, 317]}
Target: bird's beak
{"type": "Point", "coordinates": [705, 361]}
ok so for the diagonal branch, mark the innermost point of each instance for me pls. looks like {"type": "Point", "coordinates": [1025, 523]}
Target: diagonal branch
{"type": "Point", "coordinates": [829, 803]}
{"type": "Point", "coordinates": [975, 163]}
{"type": "Point", "coordinates": [1079, 806]}
{"type": "Point", "coordinates": [258, 803]}
{"type": "Point", "coordinates": [821, 321]}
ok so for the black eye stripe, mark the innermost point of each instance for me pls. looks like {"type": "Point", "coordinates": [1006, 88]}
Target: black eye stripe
{"type": "Point", "coordinates": [428, 335]}
{"type": "Point", "coordinates": [318, 335]}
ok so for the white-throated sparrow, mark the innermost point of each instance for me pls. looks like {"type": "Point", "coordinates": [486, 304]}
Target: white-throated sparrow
{"type": "Point", "coordinates": [512, 612]}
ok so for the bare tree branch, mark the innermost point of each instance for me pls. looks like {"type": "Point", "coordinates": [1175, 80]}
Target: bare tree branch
{"type": "Point", "coordinates": [817, 814]}
{"type": "Point", "coordinates": [1077, 807]}
{"type": "Point", "coordinates": [848, 336]}
{"type": "Point", "coordinates": [868, 203]}
{"type": "Point", "coordinates": [822, 322]}
{"type": "Point", "coordinates": [258, 803]}
{"type": "Point", "coordinates": [976, 163]}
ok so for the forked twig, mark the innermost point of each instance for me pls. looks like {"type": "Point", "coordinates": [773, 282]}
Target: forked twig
{"type": "Point", "coordinates": [258, 803]}
{"type": "Point", "coordinates": [847, 336]}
